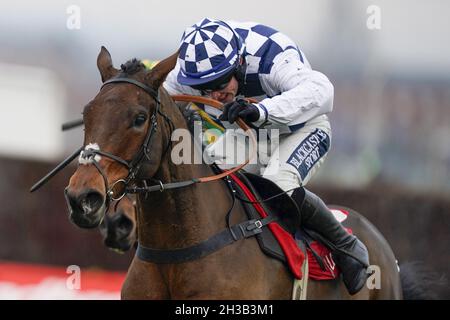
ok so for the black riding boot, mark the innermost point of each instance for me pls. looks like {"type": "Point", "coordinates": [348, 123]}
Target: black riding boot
{"type": "Point", "coordinates": [316, 216]}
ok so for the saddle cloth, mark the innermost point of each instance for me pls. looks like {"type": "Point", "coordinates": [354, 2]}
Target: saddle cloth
{"type": "Point", "coordinates": [279, 240]}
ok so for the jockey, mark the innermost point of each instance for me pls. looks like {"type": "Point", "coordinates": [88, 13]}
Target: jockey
{"type": "Point", "coordinates": [224, 60]}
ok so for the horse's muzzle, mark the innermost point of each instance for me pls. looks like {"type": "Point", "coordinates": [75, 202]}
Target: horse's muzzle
{"type": "Point", "coordinates": [118, 231]}
{"type": "Point", "coordinates": [86, 209]}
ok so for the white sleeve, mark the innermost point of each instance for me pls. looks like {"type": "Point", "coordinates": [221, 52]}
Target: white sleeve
{"type": "Point", "coordinates": [173, 87]}
{"type": "Point", "coordinates": [305, 93]}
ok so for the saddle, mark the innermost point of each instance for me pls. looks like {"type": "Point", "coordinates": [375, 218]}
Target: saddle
{"type": "Point", "coordinates": [281, 240]}
{"type": "Point", "coordinates": [283, 207]}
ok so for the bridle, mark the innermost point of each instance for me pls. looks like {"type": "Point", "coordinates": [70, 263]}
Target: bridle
{"type": "Point", "coordinates": [226, 237]}
{"type": "Point", "coordinates": [135, 164]}
{"type": "Point", "coordinates": [229, 235]}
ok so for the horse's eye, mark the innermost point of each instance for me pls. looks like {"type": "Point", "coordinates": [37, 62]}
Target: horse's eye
{"type": "Point", "coordinates": [139, 120]}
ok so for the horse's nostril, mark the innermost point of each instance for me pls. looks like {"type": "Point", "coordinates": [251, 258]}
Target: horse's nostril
{"type": "Point", "coordinates": [124, 224]}
{"type": "Point", "coordinates": [90, 201]}
{"type": "Point", "coordinates": [87, 202]}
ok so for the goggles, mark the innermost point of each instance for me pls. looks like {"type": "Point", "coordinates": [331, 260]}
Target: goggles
{"type": "Point", "coordinates": [215, 85]}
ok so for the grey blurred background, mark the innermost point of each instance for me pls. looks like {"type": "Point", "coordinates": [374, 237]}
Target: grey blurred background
{"type": "Point", "coordinates": [390, 155]}
{"type": "Point", "coordinates": [391, 118]}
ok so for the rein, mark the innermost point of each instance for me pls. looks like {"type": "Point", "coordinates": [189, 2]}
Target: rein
{"type": "Point", "coordinates": [227, 236]}
{"type": "Point", "coordinates": [134, 165]}
{"type": "Point", "coordinates": [215, 104]}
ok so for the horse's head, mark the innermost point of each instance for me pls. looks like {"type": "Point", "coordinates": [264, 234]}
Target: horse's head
{"type": "Point", "coordinates": [118, 228]}
{"type": "Point", "coordinates": [121, 138]}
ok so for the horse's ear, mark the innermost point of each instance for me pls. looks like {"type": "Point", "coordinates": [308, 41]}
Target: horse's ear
{"type": "Point", "coordinates": [105, 66]}
{"type": "Point", "coordinates": [159, 72]}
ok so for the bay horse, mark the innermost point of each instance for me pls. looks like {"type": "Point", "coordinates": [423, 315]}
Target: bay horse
{"type": "Point", "coordinates": [130, 122]}
{"type": "Point", "coordinates": [118, 228]}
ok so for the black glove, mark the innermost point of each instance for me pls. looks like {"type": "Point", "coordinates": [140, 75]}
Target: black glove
{"type": "Point", "coordinates": [239, 109]}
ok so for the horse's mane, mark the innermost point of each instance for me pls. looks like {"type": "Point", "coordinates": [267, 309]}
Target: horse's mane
{"type": "Point", "coordinates": [131, 67]}
{"type": "Point", "coordinates": [134, 66]}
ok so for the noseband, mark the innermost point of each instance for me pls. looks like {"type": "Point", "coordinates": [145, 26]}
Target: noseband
{"type": "Point", "coordinates": [135, 164]}
{"type": "Point", "coordinates": [89, 153]}
{"type": "Point", "coordinates": [226, 237]}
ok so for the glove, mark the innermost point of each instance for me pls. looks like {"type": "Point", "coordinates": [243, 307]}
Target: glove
{"type": "Point", "coordinates": [239, 109]}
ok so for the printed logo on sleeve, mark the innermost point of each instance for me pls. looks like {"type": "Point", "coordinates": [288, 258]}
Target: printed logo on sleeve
{"type": "Point", "coordinates": [310, 150]}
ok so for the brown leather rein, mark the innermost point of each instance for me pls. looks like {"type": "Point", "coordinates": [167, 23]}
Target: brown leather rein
{"type": "Point", "coordinates": [218, 105]}
{"type": "Point", "coordinates": [181, 98]}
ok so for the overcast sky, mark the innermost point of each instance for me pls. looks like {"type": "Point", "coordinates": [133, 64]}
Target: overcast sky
{"type": "Point", "coordinates": [413, 38]}
{"type": "Point", "coordinates": [48, 72]}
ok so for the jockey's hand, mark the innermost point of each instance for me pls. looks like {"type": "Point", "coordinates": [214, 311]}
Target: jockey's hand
{"type": "Point", "coordinates": [239, 109]}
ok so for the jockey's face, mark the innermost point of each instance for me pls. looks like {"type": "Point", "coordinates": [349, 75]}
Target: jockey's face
{"type": "Point", "coordinates": [226, 94]}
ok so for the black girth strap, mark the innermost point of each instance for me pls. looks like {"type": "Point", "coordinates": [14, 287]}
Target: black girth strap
{"type": "Point", "coordinates": [237, 232]}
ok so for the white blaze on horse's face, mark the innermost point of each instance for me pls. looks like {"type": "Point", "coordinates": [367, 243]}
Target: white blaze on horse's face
{"type": "Point", "coordinates": [85, 160]}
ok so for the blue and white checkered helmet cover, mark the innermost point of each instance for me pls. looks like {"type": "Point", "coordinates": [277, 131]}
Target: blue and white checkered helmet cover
{"type": "Point", "coordinates": [208, 50]}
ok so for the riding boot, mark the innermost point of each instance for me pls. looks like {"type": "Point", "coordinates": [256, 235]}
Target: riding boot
{"type": "Point", "coordinates": [349, 253]}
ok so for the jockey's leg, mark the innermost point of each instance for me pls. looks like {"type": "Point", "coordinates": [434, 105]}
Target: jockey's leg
{"type": "Point", "coordinates": [299, 156]}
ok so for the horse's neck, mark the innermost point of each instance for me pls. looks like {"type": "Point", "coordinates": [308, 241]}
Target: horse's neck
{"type": "Point", "coordinates": [181, 217]}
